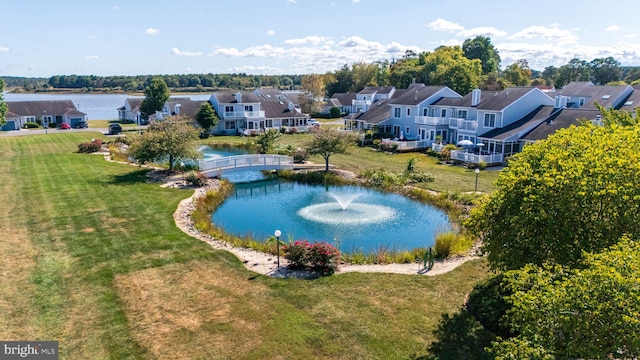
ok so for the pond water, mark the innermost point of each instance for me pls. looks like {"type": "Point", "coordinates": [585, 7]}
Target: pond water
{"type": "Point", "coordinates": [356, 219]}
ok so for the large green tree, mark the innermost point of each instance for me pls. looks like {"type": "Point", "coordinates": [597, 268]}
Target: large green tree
{"type": "Point", "coordinates": [156, 94]}
{"type": "Point", "coordinates": [589, 312]}
{"type": "Point", "coordinates": [482, 49]}
{"type": "Point", "coordinates": [172, 140]}
{"type": "Point", "coordinates": [3, 105]}
{"type": "Point", "coordinates": [518, 73]}
{"type": "Point", "coordinates": [605, 70]}
{"type": "Point", "coordinates": [574, 70]}
{"type": "Point", "coordinates": [206, 116]}
{"type": "Point", "coordinates": [448, 66]}
{"type": "Point", "coordinates": [577, 191]}
{"type": "Point", "coordinates": [327, 141]}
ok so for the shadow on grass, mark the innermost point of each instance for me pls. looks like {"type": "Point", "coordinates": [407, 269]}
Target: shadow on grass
{"type": "Point", "coordinates": [458, 337]}
{"type": "Point", "coordinates": [134, 177]}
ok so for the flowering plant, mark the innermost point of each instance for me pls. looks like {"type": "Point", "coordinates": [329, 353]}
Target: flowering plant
{"type": "Point", "coordinates": [320, 257]}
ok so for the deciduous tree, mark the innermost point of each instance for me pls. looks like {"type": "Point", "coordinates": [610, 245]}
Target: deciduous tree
{"type": "Point", "coordinates": [265, 143]}
{"type": "Point", "coordinates": [482, 49]}
{"type": "Point", "coordinates": [171, 140]}
{"type": "Point", "coordinates": [156, 94]}
{"type": "Point", "coordinates": [448, 66]}
{"type": "Point", "coordinates": [3, 105]}
{"type": "Point", "coordinates": [577, 191]}
{"type": "Point", "coordinates": [327, 141]}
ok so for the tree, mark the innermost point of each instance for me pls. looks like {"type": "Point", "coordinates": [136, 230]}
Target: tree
{"type": "Point", "coordinates": [265, 143]}
{"type": "Point", "coordinates": [206, 116]}
{"type": "Point", "coordinates": [170, 140]}
{"type": "Point", "coordinates": [327, 141]}
{"type": "Point", "coordinates": [518, 73]}
{"type": "Point", "coordinates": [334, 112]}
{"type": "Point", "coordinates": [605, 70]}
{"type": "Point", "coordinates": [590, 312]}
{"type": "Point", "coordinates": [448, 66]}
{"type": "Point", "coordinates": [575, 70]}
{"type": "Point", "coordinates": [576, 191]}
{"type": "Point", "coordinates": [482, 49]}
{"type": "Point", "coordinates": [314, 86]}
{"type": "Point", "coordinates": [156, 94]}
{"type": "Point", "coordinates": [3, 105]}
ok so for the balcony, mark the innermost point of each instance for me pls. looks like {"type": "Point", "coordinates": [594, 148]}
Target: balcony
{"type": "Point", "coordinates": [243, 114]}
{"type": "Point", "coordinates": [431, 120]}
{"type": "Point", "coordinates": [467, 125]}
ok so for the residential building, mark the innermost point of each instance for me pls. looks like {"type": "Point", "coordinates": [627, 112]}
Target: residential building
{"type": "Point", "coordinates": [43, 112]}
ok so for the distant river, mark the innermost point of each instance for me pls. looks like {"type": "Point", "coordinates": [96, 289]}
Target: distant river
{"type": "Point", "coordinates": [96, 106]}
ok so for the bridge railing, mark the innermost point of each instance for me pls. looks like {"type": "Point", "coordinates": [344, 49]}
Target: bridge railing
{"type": "Point", "coordinates": [262, 161]}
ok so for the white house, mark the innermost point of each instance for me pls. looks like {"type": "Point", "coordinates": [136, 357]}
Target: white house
{"type": "Point", "coordinates": [44, 112]}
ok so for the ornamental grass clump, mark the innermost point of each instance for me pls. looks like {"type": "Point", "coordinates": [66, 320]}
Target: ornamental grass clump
{"type": "Point", "coordinates": [320, 257]}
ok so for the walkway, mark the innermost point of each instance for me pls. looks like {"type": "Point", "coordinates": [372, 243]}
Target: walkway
{"type": "Point", "coordinates": [254, 162]}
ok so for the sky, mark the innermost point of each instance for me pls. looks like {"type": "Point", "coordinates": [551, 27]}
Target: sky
{"type": "Point", "coordinates": [42, 38]}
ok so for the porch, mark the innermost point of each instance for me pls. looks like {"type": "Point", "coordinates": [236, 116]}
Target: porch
{"type": "Point", "coordinates": [473, 158]}
{"type": "Point", "coordinates": [409, 145]}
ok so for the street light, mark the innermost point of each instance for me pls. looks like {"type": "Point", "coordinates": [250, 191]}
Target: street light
{"type": "Point", "coordinates": [182, 170]}
{"type": "Point", "coordinates": [45, 123]}
{"type": "Point", "coordinates": [477, 172]}
{"type": "Point", "coordinates": [277, 233]}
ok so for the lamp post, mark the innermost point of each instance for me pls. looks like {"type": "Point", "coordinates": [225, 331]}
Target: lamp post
{"type": "Point", "coordinates": [477, 172]}
{"type": "Point", "coordinates": [45, 123]}
{"type": "Point", "coordinates": [277, 233]}
{"type": "Point", "coordinates": [182, 170]}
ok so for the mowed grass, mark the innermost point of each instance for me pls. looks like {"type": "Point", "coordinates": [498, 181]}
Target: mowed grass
{"type": "Point", "coordinates": [92, 258]}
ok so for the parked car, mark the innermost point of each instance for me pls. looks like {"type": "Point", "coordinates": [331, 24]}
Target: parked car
{"type": "Point", "coordinates": [313, 122]}
{"type": "Point", "coordinates": [81, 125]}
{"type": "Point", "coordinates": [64, 126]}
{"type": "Point", "coordinates": [115, 129]}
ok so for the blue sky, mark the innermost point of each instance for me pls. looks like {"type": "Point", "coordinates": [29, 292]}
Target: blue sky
{"type": "Point", "coordinates": [41, 38]}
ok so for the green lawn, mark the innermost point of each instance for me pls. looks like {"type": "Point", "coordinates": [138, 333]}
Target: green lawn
{"type": "Point", "coordinates": [92, 258]}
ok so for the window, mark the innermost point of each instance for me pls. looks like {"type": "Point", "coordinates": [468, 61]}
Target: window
{"type": "Point", "coordinates": [425, 111]}
{"type": "Point", "coordinates": [433, 112]}
{"type": "Point", "coordinates": [406, 130]}
{"type": "Point", "coordinates": [462, 114]}
{"type": "Point", "coordinates": [408, 112]}
{"type": "Point", "coordinates": [229, 125]}
{"type": "Point", "coordinates": [396, 112]}
{"type": "Point", "coordinates": [490, 120]}
{"type": "Point", "coordinates": [269, 123]}
{"type": "Point", "coordinates": [443, 113]}
{"type": "Point", "coordinates": [228, 109]}
{"type": "Point", "coordinates": [581, 102]}
{"type": "Point", "coordinates": [248, 108]}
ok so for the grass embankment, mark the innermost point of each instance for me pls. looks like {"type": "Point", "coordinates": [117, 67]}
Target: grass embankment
{"type": "Point", "coordinates": [92, 258]}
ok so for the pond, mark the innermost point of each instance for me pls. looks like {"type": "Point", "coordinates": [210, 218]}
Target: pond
{"type": "Point", "coordinates": [356, 219]}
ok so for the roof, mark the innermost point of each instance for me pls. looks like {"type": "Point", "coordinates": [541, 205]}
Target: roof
{"type": "Point", "coordinates": [562, 119]}
{"type": "Point", "coordinates": [465, 101]}
{"type": "Point", "coordinates": [415, 94]}
{"type": "Point", "coordinates": [377, 113]}
{"type": "Point", "coordinates": [43, 107]}
{"type": "Point", "coordinates": [631, 102]}
{"type": "Point", "coordinates": [230, 98]}
{"type": "Point", "coordinates": [502, 99]}
{"type": "Point", "coordinates": [345, 99]}
{"type": "Point", "coordinates": [279, 109]}
{"type": "Point", "coordinates": [516, 128]}
{"type": "Point", "coordinates": [608, 96]}
{"type": "Point", "coordinates": [376, 90]}
{"type": "Point", "coordinates": [188, 107]}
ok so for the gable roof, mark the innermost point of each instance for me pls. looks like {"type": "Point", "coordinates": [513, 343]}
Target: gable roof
{"type": "Point", "coordinates": [415, 94]}
{"type": "Point", "coordinates": [608, 96]}
{"type": "Point", "coordinates": [502, 99]}
{"type": "Point", "coordinates": [345, 99]}
{"type": "Point", "coordinates": [42, 107]}
{"type": "Point", "coordinates": [632, 101]}
{"type": "Point", "coordinates": [561, 119]}
{"type": "Point", "coordinates": [517, 128]}
{"type": "Point", "coordinates": [230, 98]}
{"type": "Point", "coordinates": [378, 112]}
{"type": "Point", "coordinates": [464, 101]}
{"type": "Point", "coordinates": [279, 109]}
{"type": "Point", "coordinates": [188, 107]}
{"type": "Point", "coordinates": [376, 90]}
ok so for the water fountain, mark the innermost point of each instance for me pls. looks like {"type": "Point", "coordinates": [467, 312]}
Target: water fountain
{"type": "Point", "coordinates": [343, 211]}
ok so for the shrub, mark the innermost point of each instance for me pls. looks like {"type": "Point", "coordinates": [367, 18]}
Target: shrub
{"type": "Point", "coordinates": [488, 305]}
{"type": "Point", "coordinates": [320, 257]}
{"type": "Point", "coordinates": [196, 178]}
{"type": "Point", "coordinates": [420, 177]}
{"type": "Point", "coordinates": [482, 165]}
{"type": "Point", "coordinates": [90, 147]}
{"type": "Point", "coordinates": [292, 130]}
{"type": "Point", "coordinates": [300, 155]}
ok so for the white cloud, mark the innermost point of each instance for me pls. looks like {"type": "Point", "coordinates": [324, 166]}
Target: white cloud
{"type": "Point", "coordinates": [92, 57]}
{"type": "Point", "coordinates": [116, 8]}
{"type": "Point", "coordinates": [179, 52]}
{"type": "Point", "coordinates": [445, 25]}
{"type": "Point", "coordinates": [152, 31]}
{"type": "Point", "coordinates": [482, 31]}
{"type": "Point", "coordinates": [552, 32]}
{"type": "Point", "coordinates": [612, 28]}
{"type": "Point", "coordinates": [355, 1]}
{"type": "Point", "coordinates": [314, 40]}
{"type": "Point", "coordinates": [4, 49]}
{"type": "Point", "coordinates": [292, 1]}
{"type": "Point", "coordinates": [270, 32]}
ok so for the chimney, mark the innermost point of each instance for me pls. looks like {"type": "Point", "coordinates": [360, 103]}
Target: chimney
{"type": "Point", "coordinates": [177, 109]}
{"type": "Point", "coordinates": [475, 97]}
{"type": "Point", "coordinates": [560, 102]}
{"type": "Point", "coordinates": [238, 96]}
{"type": "Point", "coordinates": [290, 106]}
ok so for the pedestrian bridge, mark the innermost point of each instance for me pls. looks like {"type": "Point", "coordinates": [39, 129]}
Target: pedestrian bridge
{"type": "Point", "coordinates": [253, 162]}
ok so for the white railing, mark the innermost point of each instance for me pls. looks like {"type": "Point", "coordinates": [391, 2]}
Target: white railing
{"type": "Point", "coordinates": [471, 125]}
{"type": "Point", "coordinates": [476, 158]}
{"type": "Point", "coordinates": [431, 120]}
{"type": "Point", "coordinates": [215, 167]}
{"type": "Point", "coordinates": [408, 145]}
{"type": "Point", "coordinates": [437, 147]}
{"type": "Point", "coordinates": [243, 114]}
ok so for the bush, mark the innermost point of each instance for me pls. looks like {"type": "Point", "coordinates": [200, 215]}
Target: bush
{"type": "Point", "coordinates": [292, 130]}
{"type": "Point", "coordinates": [320, 257]}
{"type": "Point", "coordinates": [300, 155]}
{"type": "Point", "coordinates": [196, 178]}
{"type": "Point", "coordinates": [31, 125]}
{"type": "Point", "coordinates": [486, 303]}
{"type": "Point", "coordinates": [90, 147]}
